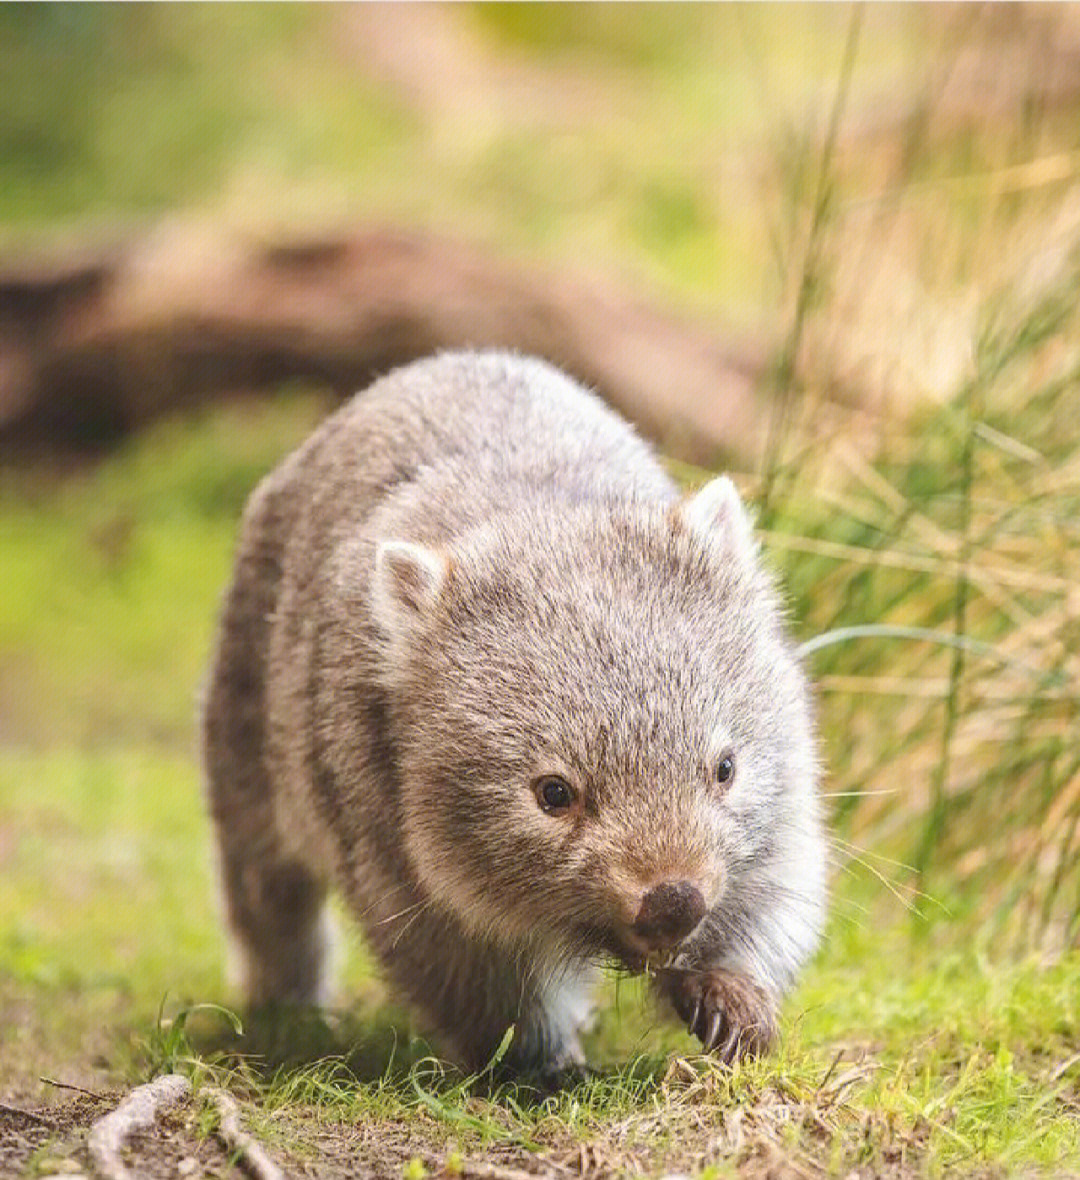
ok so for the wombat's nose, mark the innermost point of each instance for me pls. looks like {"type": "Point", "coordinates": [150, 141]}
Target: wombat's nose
{"type": "Point", "coordinates": [668, 913]}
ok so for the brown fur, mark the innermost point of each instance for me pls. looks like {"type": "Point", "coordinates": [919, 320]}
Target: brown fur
{"type": "Point", "coordinates": [473, 576]}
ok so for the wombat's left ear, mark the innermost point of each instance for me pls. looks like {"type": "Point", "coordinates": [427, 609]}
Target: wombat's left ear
{"type": "Point", "coordinates": [717, 516]}
{"type": "Point", "coordinates": [407, 582]}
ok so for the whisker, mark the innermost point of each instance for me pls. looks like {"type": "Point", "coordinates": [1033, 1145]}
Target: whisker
{"type": "Point", "coordinates": [382, 897]}
{"type": "Point", "coordinates": [857, 794]}
{"type": "Point", "coordinates": [905, 901]}
{"type": "Point", "coordinates": [854, 851]}
{"type": "Point", "coordinates": [849, 846]}
{"type": "Point", "coordinates": [425, 901]}
{"type": "Point", "coordinates": [408, 925]}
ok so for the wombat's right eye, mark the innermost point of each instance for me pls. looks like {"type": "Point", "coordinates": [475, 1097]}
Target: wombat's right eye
{"type": "Point", "coordinates": [725, 768]}
{"type": "Point", "coordinates": [554, 794]}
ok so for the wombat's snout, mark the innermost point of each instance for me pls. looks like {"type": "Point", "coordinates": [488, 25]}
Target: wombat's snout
{"type": "Point", "coordinates": [668, 913]}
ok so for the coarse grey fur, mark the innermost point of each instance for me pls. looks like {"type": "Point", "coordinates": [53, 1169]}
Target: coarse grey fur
{"type": "Point", "coordinates": [471, 576]}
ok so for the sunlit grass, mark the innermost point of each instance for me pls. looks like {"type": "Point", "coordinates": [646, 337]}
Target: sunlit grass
{"type": "Point", "coordinates": [949, 566]}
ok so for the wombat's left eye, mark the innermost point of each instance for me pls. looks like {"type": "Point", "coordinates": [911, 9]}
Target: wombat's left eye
{"type": "Point", "coordinates": [725, 768]}
{"type": "Point", "coordinates": [554, 794]}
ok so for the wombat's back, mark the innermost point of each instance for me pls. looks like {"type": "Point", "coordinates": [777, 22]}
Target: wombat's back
{"type": "Point", "coordinates": [495, 421]}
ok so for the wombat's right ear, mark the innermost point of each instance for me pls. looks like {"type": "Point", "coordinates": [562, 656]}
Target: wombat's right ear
{"type": "Point", "coordinates": [406, 585]}
{"type": "Point", "coordinates": [717, 516]}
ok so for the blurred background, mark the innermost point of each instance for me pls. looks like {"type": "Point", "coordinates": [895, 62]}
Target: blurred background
{"type": "Point", "coordinates": [832, 249]}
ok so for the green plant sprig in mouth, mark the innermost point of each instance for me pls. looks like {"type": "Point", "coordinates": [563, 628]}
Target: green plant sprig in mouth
{"type": "Point", "coordinates": [661, 960]}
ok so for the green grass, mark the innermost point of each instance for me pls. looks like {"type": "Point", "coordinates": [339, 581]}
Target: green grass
{"type": "Point", "coordinates": [126, 114]}
{"type": "Point", "coordinates": [117, 652]}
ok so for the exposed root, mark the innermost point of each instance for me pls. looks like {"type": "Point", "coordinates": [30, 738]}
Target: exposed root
{"type": "Point", "coordinates": [250, 1154]}
{"type": "Point", "coordinates": [28, 1115]}
{"type": "Point", "coordinates": [137, 1112]}
{"type": "Point", "coordinates": [75, 1089]}
{"type": "Point", "coordinates": [477, 1170]}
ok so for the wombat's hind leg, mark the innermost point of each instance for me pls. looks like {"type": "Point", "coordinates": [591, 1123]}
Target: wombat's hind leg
{"type": "Point", "coordinates": [274, 904]}
{"type": "Point", "coordinates": [280, 934]}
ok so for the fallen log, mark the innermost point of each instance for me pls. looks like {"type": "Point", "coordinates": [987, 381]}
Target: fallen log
{"type": "Point", "coordinates": [94, 347]}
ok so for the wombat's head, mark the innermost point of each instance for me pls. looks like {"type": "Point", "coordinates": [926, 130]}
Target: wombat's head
{"type": "Point", "coordinates": [601, 730]}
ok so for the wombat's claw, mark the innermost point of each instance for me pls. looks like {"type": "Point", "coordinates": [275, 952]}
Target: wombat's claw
{"type": "Point", "coordinates": [729, 1050]}
{"type": "Point", "coordinates": [731, 1015]}
{"type": "Point", "coordinates": [712, 1031]}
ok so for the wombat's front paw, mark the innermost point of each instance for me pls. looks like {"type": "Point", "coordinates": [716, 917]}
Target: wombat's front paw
{"type": "Point", "coordinates": [732, 1015]}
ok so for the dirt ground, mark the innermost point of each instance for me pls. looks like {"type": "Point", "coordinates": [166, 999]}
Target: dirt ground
{"type": "Point", "coordinates": [757, 1143]}
{"type": "Point", "coordinates": [51, 1140]}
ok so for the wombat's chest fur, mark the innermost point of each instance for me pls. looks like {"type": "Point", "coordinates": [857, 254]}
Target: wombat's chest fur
{"type": "Point", "coordinates": [484, 672]}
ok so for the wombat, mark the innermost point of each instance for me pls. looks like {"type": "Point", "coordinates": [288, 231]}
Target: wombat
{"type": "Point", "coordinates": [483, 670]}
